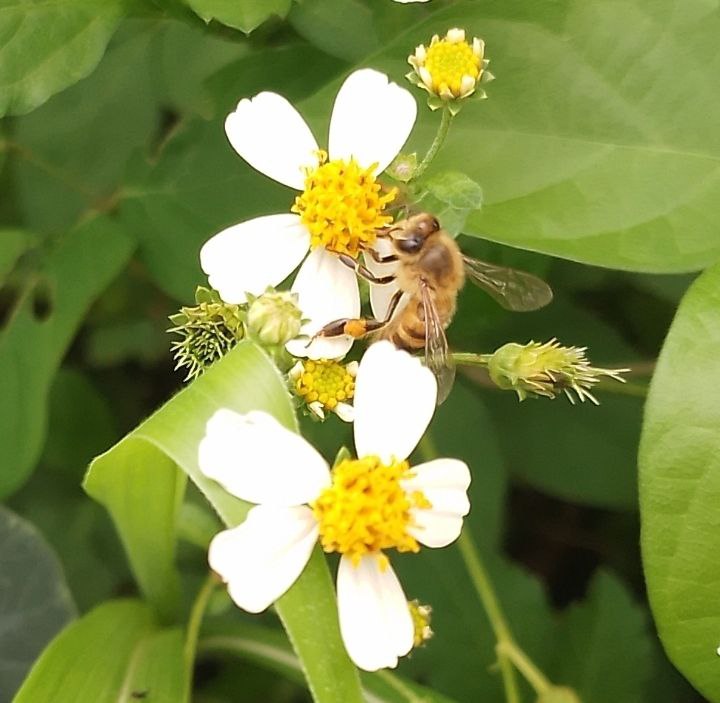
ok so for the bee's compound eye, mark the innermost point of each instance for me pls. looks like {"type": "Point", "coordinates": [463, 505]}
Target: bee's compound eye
{"type": "Point", "coordinates": [409, 245]}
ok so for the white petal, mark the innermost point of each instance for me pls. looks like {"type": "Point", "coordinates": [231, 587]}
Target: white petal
{"type": "Point", "coordinates": [269, 133]}
{"type": "Point", "coordinates": [394, 401]}
{"type": "Point", "coordinates": [257, 459]}
{"type": "Point", "coordinates": [249, 257]}
{"type": "Point", "coordinates": [345, 412]}
{"type": "Point", "coordinates": [375, 620]}
{"type": "Point", "coordinates": [371, 120]}
{"type": "Point", "coordinates": [327, 291]}
{"type": "Point", "coordinates": [262, 558]}
{"type": "Point", "coordinates": [380, 295]}
{"type": "Point", "coordinates": [444, 482]}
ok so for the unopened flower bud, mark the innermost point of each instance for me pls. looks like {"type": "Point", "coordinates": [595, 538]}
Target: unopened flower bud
{"type": "Point", "coordinates": [208, 330]}
{"type": "Point", "coordinates": [536, 369]}
{"type": "Point", "coordinates": [274, 317]}
{"type": "Point", "coordinates": [421, 615]}
{"type": "Point", "coordinates": [450, 69]}
{"type": "Point", "coordinates": [558, 694]}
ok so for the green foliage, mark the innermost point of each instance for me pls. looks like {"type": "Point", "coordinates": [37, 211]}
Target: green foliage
{"type": "Point", "coordinates": [116, 652]}
{"type": "Point", "coordinates": [244, 15]}
{"type": "Point", "coordinates": [47, 46]}
{"type": "Point", "coordinates": [680, 487]}
{"type": "Point", "coordinates": [141, 469]}
{"type": "Point", "coordinates": [44, 321]}
{"type": "Point", "coordinates": [34, 600]}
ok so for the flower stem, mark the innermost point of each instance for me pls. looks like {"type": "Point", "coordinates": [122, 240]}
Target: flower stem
{"type": "Point", "coordinates": [468, 359]}
{"type": "Point", "coordinates": [509, 653]}
{"type": "Point", "coordinates": [442, 131]}
{"type": "Point", "coordinates": [194, 621]}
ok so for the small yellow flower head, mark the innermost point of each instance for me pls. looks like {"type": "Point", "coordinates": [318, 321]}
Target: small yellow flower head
{"type": "Point", "coordinates": [450, 68]}
{"type": "Point", "coordinates": [208, 330]}
{"type": "Point", "coordinates": [421, 616]}
{"type": "Point", "coordinates": [547, 369]}
{"type": "Point", "coordinates": [343, 205]}
{"type": "Point", "coordinates": [325, 385]}
{"type": "Point", "coordinates": [367, 510]}
{"type": "Point", "coordinates": [274, 317]}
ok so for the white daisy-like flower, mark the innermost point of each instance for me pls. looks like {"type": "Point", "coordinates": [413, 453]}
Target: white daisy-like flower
{"type": "Point", "coordinates": [360, 509]}
{"type": "Point", "coordinates": [339, 209]}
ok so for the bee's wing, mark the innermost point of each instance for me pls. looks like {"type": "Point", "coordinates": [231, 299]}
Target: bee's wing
{"type": "Point", "coordinates": [437, 354]}
{"type": "Point", "coordinates": [513, 289]}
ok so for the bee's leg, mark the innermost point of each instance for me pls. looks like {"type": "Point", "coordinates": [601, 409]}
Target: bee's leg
{"type": "Point", "coordinates": [381, 259]}
{"type": "Point", "coordinates": [358, 327]}
{"type": "Point", "coordinates": [364, 272]}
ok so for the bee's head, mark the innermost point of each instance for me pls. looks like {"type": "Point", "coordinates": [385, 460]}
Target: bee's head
{"type": "Point", "coordinates": [409, 235]}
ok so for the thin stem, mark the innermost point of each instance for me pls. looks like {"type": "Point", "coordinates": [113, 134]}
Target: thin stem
{"type": "Point", "coordinates": [398, 685]}
{"type": "Point", "coordinates": [468, 359]}
{"type": "Point", "coordinates": [532, 674]}
{"type": "Point", "coordinates": [194, 621]}
{"type": "Point", "coordinates": [443, 128]}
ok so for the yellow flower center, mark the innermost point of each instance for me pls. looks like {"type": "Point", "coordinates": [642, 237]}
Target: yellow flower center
{"type": "Point", "coordinates": [447, 62]}
{"type": "Point", "coordinates": [342, 205]}
{"type": "Point", "coordinates": [366, 510]}
{"type": "Point", "coordinates": [325, 382]}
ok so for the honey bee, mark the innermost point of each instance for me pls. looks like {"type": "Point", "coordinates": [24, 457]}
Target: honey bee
{"type": "Point", "coordinates": [430, 270]}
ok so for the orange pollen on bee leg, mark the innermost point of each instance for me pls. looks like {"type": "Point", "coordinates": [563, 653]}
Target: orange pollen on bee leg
{"type": "Point", "coordinates": [343, 205]}
{"type": "Point", "coordinates": [366, 509]}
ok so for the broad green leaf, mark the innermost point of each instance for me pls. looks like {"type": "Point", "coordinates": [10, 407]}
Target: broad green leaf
{"type": "Point", "coordinates": [39, 331]}
{"type": "Point", "coordinates": [603, 646]}
{"type": "Point", "coordinates": [13, 242]}
{"type": "Point", "coordinates": [116, 652]}
{"type": "Point", "coordinates": [145, 461]}
{"type": "Point", "coordinates": [46, 46]}
{"type": "Point", "coordinates": [69, 159]}
{"type": "Point", "coordinates": [34, 600]}
{"type": "Point", "coordinates": [450, 196]}
{"type": "Point", "coordinates": [680, 487]}
{"type": "Point", "coordinates": [609, 158]}
{"type": "Point", "coordinates": [244, 15]}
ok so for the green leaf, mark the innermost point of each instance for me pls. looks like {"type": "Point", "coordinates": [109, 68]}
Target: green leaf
{"type": "Point", "coordinates": [680, 487]}
{"type": "Point", "coordinates": [114, 653]}
{"type": "Point", "coordinates": [46, 46]}
{"type": "Point", "coordinates": [244, 15]}
{"type": "Point", "coordinates": [450, 196]}
{"type": "Point", "coordinates": [605, 158]}
{"type": "Point", "coordinates": [39, 331]}
{"type": "Point", "coordinates": [145, 461]}
{"type": "Point", "coordinates": [13, 242]}
{"type": "Point", "coordinates": [603, 647]}
{"type": "Point", "coordinates": [34, 600]}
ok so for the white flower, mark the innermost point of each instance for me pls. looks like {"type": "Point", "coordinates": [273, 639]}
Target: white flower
{"type": "Point", "coordinates": [340, 206]}
{"type": "Point", "coordinates": [300, 501]}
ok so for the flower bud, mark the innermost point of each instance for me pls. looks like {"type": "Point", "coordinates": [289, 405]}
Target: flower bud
{"type": "Point", "coordinates": [450, 69]}
{"type": "Point", "coordinates": [547, 369]}
{"type": "Point", "coordinates": [421, 615]}
{"type": "Point", "coordinates": [274, 317]}
{"type": "Point", "coordinates": [208, 331]}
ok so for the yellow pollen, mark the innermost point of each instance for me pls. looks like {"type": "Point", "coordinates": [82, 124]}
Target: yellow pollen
{"type": "Point", "coordinates": [421, 615]}
{"type": "Point", "coordinates": [366, 509]}
{"type": "Point", "coordinates": [447, 63]}
{"type": "Point", "coordinates": [326, 382]}
{"type": "Point", "coordinates": [342, 205]}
